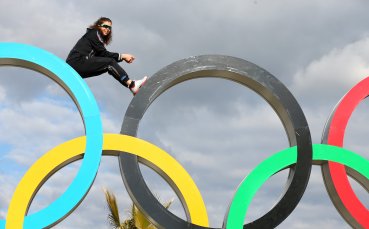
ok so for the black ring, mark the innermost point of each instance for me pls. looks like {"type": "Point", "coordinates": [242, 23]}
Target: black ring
{"type": "Point", "coordinates": [249, 75]}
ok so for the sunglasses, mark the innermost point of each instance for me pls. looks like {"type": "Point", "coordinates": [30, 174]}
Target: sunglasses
{"type": "Point", "coordinates": [106, 26]}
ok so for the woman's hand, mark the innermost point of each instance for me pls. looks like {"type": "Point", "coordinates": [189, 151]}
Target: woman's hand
{"type": "Point", "coordinates": [127, 58]}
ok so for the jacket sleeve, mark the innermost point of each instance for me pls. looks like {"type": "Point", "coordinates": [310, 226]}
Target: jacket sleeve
{"type": "Point", "coordinates": [99, 48]}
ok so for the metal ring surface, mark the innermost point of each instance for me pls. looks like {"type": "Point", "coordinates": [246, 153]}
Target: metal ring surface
{"type": "Point", "coordinates": [280, 160]}
{"type": "Point", "coordinates": [26, 56]}
{"type": "Point", "coordinates": [335, 178]}
{"type": "Point", "coordinates": [249, 75]}
{"type": "Point", "coordinates": [114, 144]}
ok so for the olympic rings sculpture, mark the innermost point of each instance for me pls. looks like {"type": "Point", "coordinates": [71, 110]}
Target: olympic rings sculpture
{"type": "Point", "coordinates": [336, 161]}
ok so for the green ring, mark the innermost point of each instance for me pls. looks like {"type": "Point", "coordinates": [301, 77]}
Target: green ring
{"type": "Point", "coordinates": [285, 158]}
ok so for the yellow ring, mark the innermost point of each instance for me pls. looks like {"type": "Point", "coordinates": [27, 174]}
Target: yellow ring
{"type": "Point", "coordinates": [74, 149]}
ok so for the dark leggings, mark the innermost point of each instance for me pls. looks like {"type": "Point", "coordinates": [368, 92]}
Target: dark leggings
{"type": "Point", "coordinates": [94, 66]}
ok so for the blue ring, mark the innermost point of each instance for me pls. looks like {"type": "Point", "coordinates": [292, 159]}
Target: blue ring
{"type": "Point", "coordinates": [31, 57]}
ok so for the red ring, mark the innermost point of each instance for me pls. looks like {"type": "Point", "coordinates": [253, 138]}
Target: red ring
{"type": "Point", "coordinates": [337, 171]}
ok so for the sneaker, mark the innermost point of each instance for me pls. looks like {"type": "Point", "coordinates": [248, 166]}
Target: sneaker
{"type": "Point", "coordinates": [137, 84]}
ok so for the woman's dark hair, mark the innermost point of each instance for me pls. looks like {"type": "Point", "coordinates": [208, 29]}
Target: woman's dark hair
{"type": "Point", "coordinates": [108, 38]}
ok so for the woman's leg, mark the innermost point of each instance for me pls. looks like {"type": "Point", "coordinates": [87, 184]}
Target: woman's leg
{"type": "Point", "coordinates": [95, 66]}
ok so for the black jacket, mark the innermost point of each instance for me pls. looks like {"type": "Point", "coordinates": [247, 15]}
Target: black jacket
{"type": "Point", "coordinates": [90, 45]}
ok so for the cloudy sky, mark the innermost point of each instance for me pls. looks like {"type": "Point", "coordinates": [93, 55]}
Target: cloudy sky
{"type": "Point", "coordinates": [318, 49]}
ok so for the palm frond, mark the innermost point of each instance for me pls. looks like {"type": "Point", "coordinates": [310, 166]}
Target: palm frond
{"type": "Point", "coordinates": [167, 204]}
{"type": "Point", "coordinates": [137, 219]}
{"type": "Point", "coordinates": [129, 224]}
{"type": "Point", "coordinates": [113, 215]}
{"type": "Point", "coordinates": [140, 219]}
